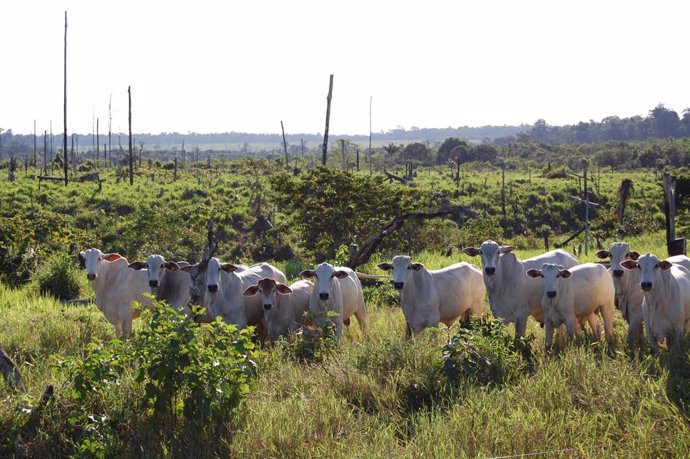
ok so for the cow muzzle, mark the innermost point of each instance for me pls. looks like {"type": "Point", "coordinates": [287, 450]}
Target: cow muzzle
{"type": "Point", "coordinates": [153, 283]}
{"type": "Point", "coordinates": [551, 294]}
{"type": "Point", "coordinates": [490, 271]}
{"type": "Point", "coordinates": [618, 273]}
{"type": "Point", "coordinates": [398, 285]}
{"type": "Point", "coordinates": [646, 286]}
{"type": "Point", "coordinates": [213, 288]}
{"type": "Point", "coordinates": [268, 306]}
{"type": "Point", "coordinates": [323, 296]}
{"type": "Point", "coordinates": [91, 276]}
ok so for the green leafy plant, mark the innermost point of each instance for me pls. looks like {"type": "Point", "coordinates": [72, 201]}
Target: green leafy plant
{"type": "Point", "coordinates": [485, 353]}
{"type": "Point", "coordinates": [58, 277]}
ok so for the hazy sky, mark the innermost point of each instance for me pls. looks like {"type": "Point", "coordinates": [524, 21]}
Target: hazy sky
{"type": "Point", "coordinates": [245, 66]}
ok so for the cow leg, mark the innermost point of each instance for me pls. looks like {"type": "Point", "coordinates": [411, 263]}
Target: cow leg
{"type": "Point", "coordinates": [520, 326]}
{"type": "Point", "coordinates": [408, 330]}
{"type": "Point", "coordinates": [548, 331]}
{"type": "Point", "coordinates": [338, 327]}
{"type": "Point", "coordinates": [634, 331]}
{"type": "Point", "coordinates": [593, 322]}
{"type": "Point", "coordinates": [127, 328]}
{"type": "Point", "coordinates": [361, 315]}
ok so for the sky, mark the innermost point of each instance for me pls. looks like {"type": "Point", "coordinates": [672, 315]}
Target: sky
{"type": "Point", "coordinates": [244, 66]}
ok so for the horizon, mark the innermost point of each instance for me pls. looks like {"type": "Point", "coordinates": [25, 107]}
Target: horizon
{"type": "Point", "coordinates": [245, 68]}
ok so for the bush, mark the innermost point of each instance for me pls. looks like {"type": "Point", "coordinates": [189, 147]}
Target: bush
{"type": "Point", "coordinates": [58, 277]}
{"type": "Point", "coordinates": [186, 377]}
{"type": "Point", "coordinates": [484, 353]}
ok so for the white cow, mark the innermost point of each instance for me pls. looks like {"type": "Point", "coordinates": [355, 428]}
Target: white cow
{"type": "Point", "coordinates": [226, 283]}
{"type": "Point", "coordinates": [666, 303]}
{"type": "Point", "coordinates": [337, 289]}
{"type": "Point", "coordinates": [116, 287]}
{"type": "Point", "coordinates": [284, 306]}
{"type": "Point", "coordinates": [576, 294]}
{"type": "Point", "coordinates": [442, 295]}
{"type": "Point", "coordinates": [627, 283]}
{"type": "Point", "coordinates": [512, 295]}
{"type": "Point", "coordinates": [168, 282]}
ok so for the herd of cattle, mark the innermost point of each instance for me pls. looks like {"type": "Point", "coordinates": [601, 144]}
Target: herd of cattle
{"type": "Point", "coordinates": [554, 288]}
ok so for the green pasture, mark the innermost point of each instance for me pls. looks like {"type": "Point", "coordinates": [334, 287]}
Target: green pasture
{"type": "Point", "coordinates": [374, 394]}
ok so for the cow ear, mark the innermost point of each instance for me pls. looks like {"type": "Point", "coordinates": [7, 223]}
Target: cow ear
{"type": "Point", "coordinates": [111, 256]}
{"type": "Point", "coordinates": [187, 269]}
{"type": "Point", "coordinates": [385, 266]}
{"type": "Point", "coordinates": [602, 254]}
{"type": "Point", "coordinates": [137, 265]}
{"type": "Point", "coordinates": [417, 266]}
{"type": "Point", "coordinates": [665, 265]}
{"type": "Point", "coordinates": [82, 260]}
{"type": "Point", "coordinates": [533, 273]}
{"type": "Point", "coordinates": [564, 273]}
{"type": "Point", "coordinates": [251, 291]}
{"type": "Point", "coordinates": [507, 249]}
{"type": "Point", "coordinates": [228, 267]}
{"type": "Point", "coordinates": [471, 251]}
{"type": "Point", "coordinates": [629, 264]}
{"type": "Point", "coordinates": [307, 273]}
{"type": "Point", "coordinates": [340, 274]}
{"type": "Point", "coordinates": [283, 289]}
{"type": "Point", "coordinates": [633, 255]}
{"type": "Point", "coordinates": [171, 265]}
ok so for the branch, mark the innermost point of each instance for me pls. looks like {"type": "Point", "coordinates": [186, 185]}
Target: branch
{"type": "Point", "coordinates": [372, 243]}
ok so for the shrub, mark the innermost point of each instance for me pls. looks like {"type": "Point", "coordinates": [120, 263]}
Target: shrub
{"type": "Point", "coordinates": [185, 376]}
{"type": "Point", "coordinates": [484, 353]}
{"type": "Point", "coordinates": [58, 277]}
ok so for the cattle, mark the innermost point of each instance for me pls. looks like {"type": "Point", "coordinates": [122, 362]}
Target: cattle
{"type": "Point", "coordinates": [512, 295]}
{"type": "Point", "coordinates": [167, 281]}
{"type": "Point", "coordinates": [339, 290]}
{"type": "Point", "coordinates": [629, 295]}
{"type": "Point", "coordinates": [666, 303]}
{"type": "Point", "coordinates": [284, 306]}
{"type": "Point", "coordinates": [226, 283]}
{"type": "Point", "coordinates": [429, 297]}
{"type": "Point", "coordinates": [116, 287]}
{"type": "Point", "coordinates": [573, 295]}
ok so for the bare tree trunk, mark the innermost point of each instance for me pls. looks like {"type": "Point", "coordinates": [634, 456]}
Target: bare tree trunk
{"type": "Point", "coordinates": [110, 129]}
{"type": "Point", "coordinates": [98, 145]}
{"type": "Point", "coordinates": [35, 159]}
{"type": "Point", "coordinates": [324, 154]}
{"type": "Point", "coordinates": [131, 154]}
{"type": "Point", "coordinates": [287, 166]}
{"type": "Point", "coordinates": [64, 107]}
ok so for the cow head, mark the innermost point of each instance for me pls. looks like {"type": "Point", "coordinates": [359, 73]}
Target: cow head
{"type": "Point", "coordinates": [550, 273]}
{"type": "Point", "coordinates": [156, 266]}
{"type": "Point", "coordinates": [618, 252]}
{"type": "Point", "coordinates": [402, 266]}
{"type": "Point", "coordinates": [649, 266]}
{"type": "Point", "coordinates": [490, 252]}
{"type": "Point", "coordinates": [268, 288]}
{"type": "Point", "coordinates": [325, 274]}
{"type": "Point", "coordinates": [94, 261]}
{"type": "Point", "coordinates": [213, 273]}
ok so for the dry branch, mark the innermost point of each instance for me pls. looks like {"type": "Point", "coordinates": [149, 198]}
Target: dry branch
{"type": "Point", "coordinates": [369, 246]}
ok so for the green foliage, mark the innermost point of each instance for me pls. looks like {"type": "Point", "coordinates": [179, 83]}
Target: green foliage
{"type": "Point", "coordinates": [315, 342]}
{"type": "Point", "coordinates": [484, 353]}
{"type": "Point", "coordinates": [58, 277]}
{"type": "Point", "coordinates": [331, 208]}
{"type": "Point", "coordinates": [182, 373]}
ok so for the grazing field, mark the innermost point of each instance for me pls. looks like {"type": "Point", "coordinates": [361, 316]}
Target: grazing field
{"type": "Point", "coordinates": [176, 388]}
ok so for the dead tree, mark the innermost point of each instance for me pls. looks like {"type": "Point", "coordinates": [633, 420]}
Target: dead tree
{"type": "Point", "coordinates": [369, 246]}
{"type": "Point", "coordinates": [623, 195]}
{"type": "Point", "coordinates": [287, 166]}
{"type": "Point", "coordinates": [64, 108]}
{"type": "Point", "coordinates": [131, 153]}
{"type": "Point", "coordinates": [324, 154]}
